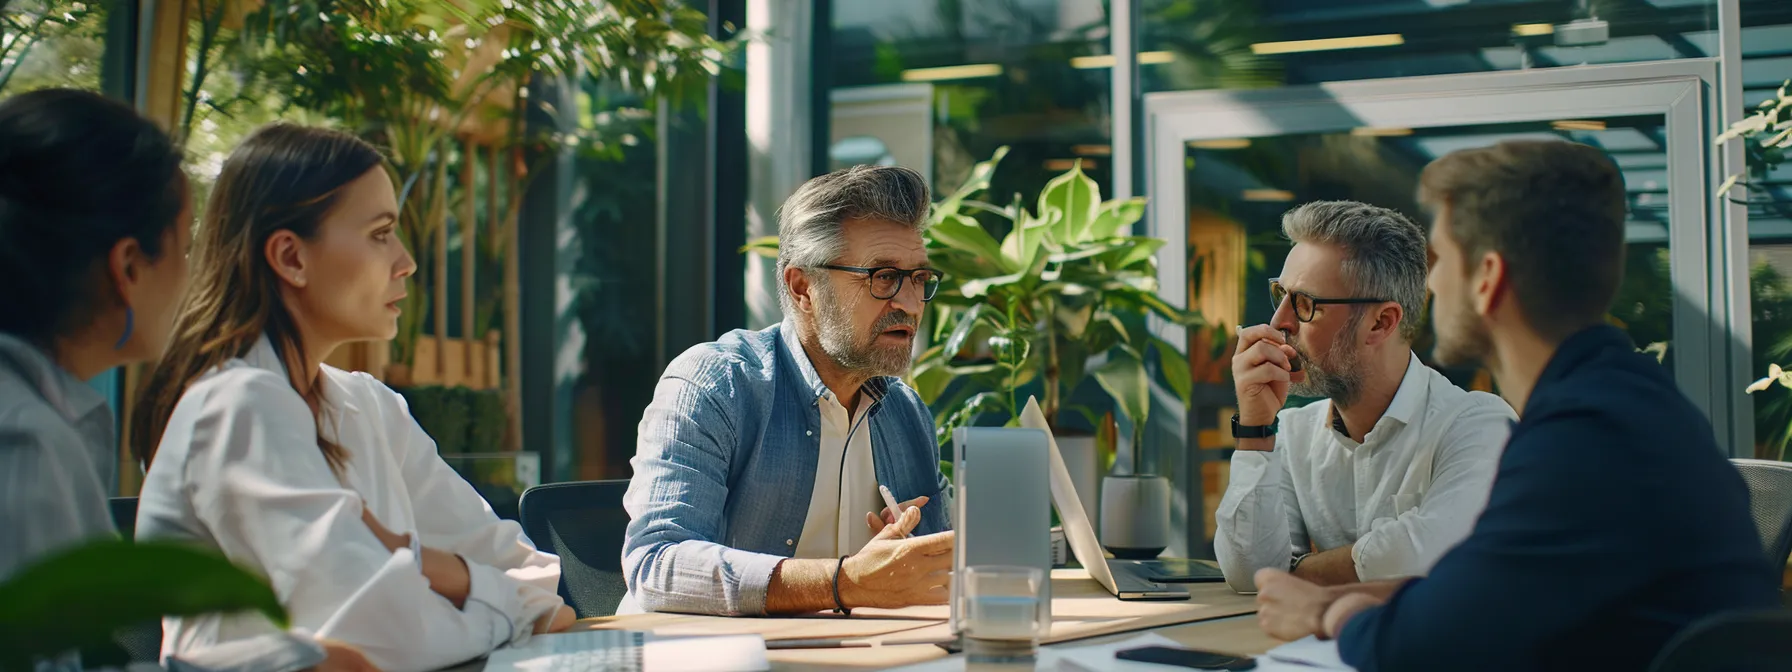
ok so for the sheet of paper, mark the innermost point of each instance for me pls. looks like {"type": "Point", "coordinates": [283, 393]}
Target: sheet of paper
{"type": "Point", "coordinates": [624, 651]}
{"type": "Point", "coordinates": [1303, 654]}
{"type": "Point", "coordinates": [742, 653]}
{"type": "Point", "coordinates": [1066, 658]}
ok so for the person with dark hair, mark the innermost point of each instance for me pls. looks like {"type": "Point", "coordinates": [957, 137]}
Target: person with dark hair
{"type": "Point", "coordinates": [94, 215]}
{"type": "Point", "coordinates": [317, 477]}
{"type": "Point", "coordinates": [759, 460]}
{"type": "Point", "coordinates": [1614, 520]}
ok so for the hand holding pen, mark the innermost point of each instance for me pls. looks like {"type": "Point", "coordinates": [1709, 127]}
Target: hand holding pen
{"type": "Point", "coordinates": [891, 510]}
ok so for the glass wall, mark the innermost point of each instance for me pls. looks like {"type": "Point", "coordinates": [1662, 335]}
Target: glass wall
{"type": "Point", "coordinates": [1032, 75]}
{"type": "Point", "coordinates": [1766, 66]}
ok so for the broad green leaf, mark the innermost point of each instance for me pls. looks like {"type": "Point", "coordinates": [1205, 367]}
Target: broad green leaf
{"type": "Point", "coordinates": [1116, 217]}
{"type": "Point", "coordinates": [975, 183]}
{"type": "Point", "coordinates": [965, 234]}
{"type": "Point", "coordinates": [1077, 199]}
{"type": "Point", "coordinates": [966, 322]}
{"type": "Point", "coordinates": [930, 380]}
{"type": "Point", "coordinates": [1124, 379]}
{"type": "Point", "coordinates": [1072, 358]}
{"type": "Point", "coordinates": [765, 246]}
{"type": "Point", "coordinates": [78, 598]}
{"type": "Point", "coordinates": [1175, 366]}
{"type": "Point", "coordinates": [981, 286]}
{"type": "Point", "coordinates": [1137, 250]}
{"type": "Point", "coordinates": [1073, 320]}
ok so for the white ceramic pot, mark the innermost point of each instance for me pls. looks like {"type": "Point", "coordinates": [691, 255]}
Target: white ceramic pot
{"type": "Point", "coordinates": [1135, 516]}
{"type": "Point", "coordinates": [1085, 470]}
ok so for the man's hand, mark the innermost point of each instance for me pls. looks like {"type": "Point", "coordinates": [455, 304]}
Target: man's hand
{"type": "Point", "coordinates": [877, 521]}
{"type": "Point", "coordinates": [1261, 374]}
{"type": "Point", "coordinates": [558, 621]}
{"type": "Point", "coordinates": [392, 540]}
{"type": "Point", "coordinates": [340, 657]}
{"type": "Point", "coordinates": [1289, 608]}
{"type": "Point", "coordinates": [893, 572]}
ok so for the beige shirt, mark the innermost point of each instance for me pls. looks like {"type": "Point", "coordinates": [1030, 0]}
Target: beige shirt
{"type": "Point", "coordinates": [845, 484]}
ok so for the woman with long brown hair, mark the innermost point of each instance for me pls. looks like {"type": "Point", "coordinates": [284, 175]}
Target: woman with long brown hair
{"type": "Point", "coordinates": [302, 470]}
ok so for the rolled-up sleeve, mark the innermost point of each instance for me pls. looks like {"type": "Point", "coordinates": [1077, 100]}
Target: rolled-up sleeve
{"type": "Point", "coordinates": [1258, 524]}
{"type": "Point", "coordinates": [672, 558]}
{"type": "Point", "coordinates": [1467, 459]}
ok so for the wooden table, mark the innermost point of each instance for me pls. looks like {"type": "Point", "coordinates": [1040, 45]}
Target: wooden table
{"type": "Point", "coordinates": [1081, 610]}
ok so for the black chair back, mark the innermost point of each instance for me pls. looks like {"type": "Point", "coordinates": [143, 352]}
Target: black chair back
{"type": "Point", "coordinates": [143, 641]}
{"type": "Point", "coordinates": [1770, 502]}
{"type": "Point", "coordinates": [1740, 641]}
{"type": "Point", "coordinates": [583, 523]}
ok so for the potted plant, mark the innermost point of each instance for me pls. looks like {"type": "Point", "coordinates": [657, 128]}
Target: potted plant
{"type": "Point", "coordinates": [1061, 299]}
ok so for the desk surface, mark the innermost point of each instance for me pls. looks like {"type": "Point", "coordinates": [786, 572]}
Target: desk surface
{"type": "Point", "coordinates": [1081, 609]}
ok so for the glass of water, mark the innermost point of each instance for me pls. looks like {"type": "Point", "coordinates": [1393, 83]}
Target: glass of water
{"type": "Point", "coordinates": [1003, 619]}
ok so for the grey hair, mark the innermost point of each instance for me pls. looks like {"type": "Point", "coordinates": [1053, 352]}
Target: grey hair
{"type": "Point", "coordinates": [811, 222]}
{"type": "Point", "coordinates": [1384, 251]}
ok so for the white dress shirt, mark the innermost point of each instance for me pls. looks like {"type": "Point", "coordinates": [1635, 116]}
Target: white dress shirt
{"type": "Point", "coordinates": [239, 470]}
{"type": "Point", "coordinates": [1410, 491]}
{"type": "Point", "coordinates": [843, 493]}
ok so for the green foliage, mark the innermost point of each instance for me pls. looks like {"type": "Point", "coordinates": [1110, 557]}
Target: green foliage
{"type": "Point", "coordinates": [1032, 294]}
{"type": "Point", "coordinates": [1766, 139]}
{"type": "Point", "coordinates": [50, 43]}
{"type": "Point", "coordinates": [459, 419]}
{"type": "Point", "coordinates": [77, 598]}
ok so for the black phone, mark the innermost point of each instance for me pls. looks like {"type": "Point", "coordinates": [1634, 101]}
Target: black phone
{"type": "Point", "coordinates": [1191, 658]}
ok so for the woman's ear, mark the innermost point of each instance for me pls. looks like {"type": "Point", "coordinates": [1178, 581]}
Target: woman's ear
{"type": "Point", "coordinates": [121, 267]}
{"type": "Point", "coordinates": [286, 255]}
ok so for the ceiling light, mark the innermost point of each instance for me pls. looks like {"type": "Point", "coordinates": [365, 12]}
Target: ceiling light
{"type": "Point", "coordinates": [1272, 195]}
{"type": "Point", "coordinates": [1092, 150]}
{"type": "Point", "coordinates": [1532, 29]}
{"type": "Point", "coordinates": [1107, 60]}
{"type": "Point", "coordinates": [1578, 125]}
{"type": "Point", "coordinates": [952, 72]}
{"type": "Point", "coordinates": [1222, 143]}
{"type": "Point", "coordinates": [1380, 132]}
{"type": "Point", "coordinates": [1328, 44]}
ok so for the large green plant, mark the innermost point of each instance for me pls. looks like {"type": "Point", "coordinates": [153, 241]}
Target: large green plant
{"type": "Point", "coordinates": [1064, 285]}
{"type": "Point", "coordinates": [77, 599]}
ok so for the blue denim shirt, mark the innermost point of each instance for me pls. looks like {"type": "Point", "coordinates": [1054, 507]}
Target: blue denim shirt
{"type": "Point", "coordinates": [725, 465]}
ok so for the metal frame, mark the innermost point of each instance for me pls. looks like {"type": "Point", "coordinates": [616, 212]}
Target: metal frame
{"type": "Point", "coordinates": [1683, 91]}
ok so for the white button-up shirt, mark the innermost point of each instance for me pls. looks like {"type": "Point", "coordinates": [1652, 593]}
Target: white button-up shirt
{"type": "Point", "coordinates": [845, 484]}
{"type": "Point", "coordinates": [238, 469]}
{"type": "Point", "coordinates": [1410, 491]}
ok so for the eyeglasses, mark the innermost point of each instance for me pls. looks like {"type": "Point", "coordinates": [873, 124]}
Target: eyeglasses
{"type": "Point", "coordinates": [1306, 304]}
{"type": "Point", "coordinates": [886, 281]}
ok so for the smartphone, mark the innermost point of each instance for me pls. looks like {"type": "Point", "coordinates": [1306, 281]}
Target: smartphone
{"type": "Point", "coordinates": [1191, 658]}
{"type": "Point", "coordinates": [1181, 570]}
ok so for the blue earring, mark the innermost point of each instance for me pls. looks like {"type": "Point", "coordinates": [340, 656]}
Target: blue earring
{"type": "Point", "coordinates": [130, 320]}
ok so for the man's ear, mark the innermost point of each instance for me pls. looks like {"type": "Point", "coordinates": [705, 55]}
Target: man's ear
{"type": "Point", "coordinates": [1490, 283]}
{"type": "Point", "coordinates": [1386, 324]}
{"type": "Point", "coordinates": [800, 289]}
{"type": "Point", "coordinates": [121, 267]}
{"type": "Point", "coordinates": [285, 254]}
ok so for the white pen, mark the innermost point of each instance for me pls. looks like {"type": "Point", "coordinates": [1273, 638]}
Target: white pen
{"type": "Point", "coordinates": [890, 501]}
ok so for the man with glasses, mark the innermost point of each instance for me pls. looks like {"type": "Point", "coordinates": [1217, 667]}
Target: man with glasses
{"type": "Point", "coordinates": [759, 460]}
{"type": "Point", "coordinates": [1390, 469]}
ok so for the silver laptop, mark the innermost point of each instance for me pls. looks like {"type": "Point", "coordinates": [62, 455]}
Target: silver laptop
{"type": "Point", "coordinates": [1126, 579]}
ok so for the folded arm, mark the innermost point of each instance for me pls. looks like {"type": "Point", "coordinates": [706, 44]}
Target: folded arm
{"type": "Point", "coordinates": [1465, 462]}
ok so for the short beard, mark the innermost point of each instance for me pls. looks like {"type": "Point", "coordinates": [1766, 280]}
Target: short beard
{"type": "Point", "coordinates": [1339, 375]}
{"type": "Point", "coordinates": [1459, 342]}
{"type": "Point", "coordinates": [859, 353]}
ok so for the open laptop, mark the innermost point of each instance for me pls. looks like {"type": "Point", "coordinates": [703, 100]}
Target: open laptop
{"type": "Point", "coordinates": [1126, 579]}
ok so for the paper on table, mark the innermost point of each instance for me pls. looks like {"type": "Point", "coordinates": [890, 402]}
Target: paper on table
{"type": "Point", "coordinates": [625, 651]}
{"type": "Point", "coordinates": [1065, 659]}
{"type": "Point", "coordinates": [741, 653]}
{"type": "Point", "coordinates": [1307, 653]}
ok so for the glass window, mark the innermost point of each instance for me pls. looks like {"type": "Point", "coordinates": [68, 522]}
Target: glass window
{"type": "Point", "coordinates": [1766, 65]}
{"type": "Point", "coordinates": [1238, 190]}
{"type": "Point", "coordinates": [1207, 44]}
{"type": "Point", "coordinates": [939, 86]}
{"type": "Point", "coordinates": [45, 43]}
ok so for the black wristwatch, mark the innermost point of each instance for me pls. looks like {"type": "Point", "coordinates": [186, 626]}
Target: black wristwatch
{"type": "Point", "coordinates": [1254, 431]}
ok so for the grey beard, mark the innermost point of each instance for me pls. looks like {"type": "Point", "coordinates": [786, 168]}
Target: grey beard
{"type": "Point", "coordinates": [1340, 380]}
{"type": "Point", "coordinates": [859, 355]}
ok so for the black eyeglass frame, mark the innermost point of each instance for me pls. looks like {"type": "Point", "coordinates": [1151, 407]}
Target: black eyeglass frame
{"type": "Point", "coordinates": [1313, 302]}
{"type": "Point", "coordinates": [928, 289]}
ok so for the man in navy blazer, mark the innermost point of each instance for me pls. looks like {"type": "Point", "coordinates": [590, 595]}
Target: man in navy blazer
{"type": "Point", "coordinates": [759, 460]}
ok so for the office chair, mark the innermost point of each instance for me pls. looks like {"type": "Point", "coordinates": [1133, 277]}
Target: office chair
{"type": "Point", "coordinates": [1737, 641]}
{"type": "Point", "coordinates": [1770, 502]}
{"type": "Point", "coordinates": [583, 523]}
{"type": "Point", "coordinates": [142, 641]}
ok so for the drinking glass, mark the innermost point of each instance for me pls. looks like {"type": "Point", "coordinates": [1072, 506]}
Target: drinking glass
{"type": "Point", "coordinates": [1003, 620]}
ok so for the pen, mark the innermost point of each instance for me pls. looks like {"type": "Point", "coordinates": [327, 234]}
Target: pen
{"type": "Point", "coordinates": [890, 501]}
{"type": "Point", "coordinates": [778, 644]}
